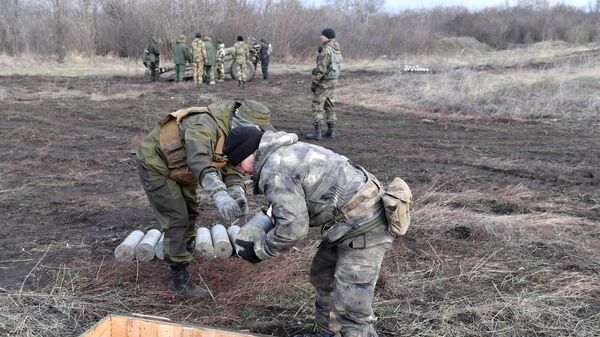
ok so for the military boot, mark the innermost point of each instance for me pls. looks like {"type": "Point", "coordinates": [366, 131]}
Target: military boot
{"type": "Point", "coordinates": [239, 83]}
{"type": "Point", "coordinates": [330, 130]}
{"type": "Point", "coordinates": [244, 84]}
{"type": "Point", "coordinates": [316, 133]}
{"type": "Point", "coordinates": [181, 283]}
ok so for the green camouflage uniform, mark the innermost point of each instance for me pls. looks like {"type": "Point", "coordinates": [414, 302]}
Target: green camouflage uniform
{"type": "Point", "coordinates": [199, 56]}
{"type": "Point", "coordinates": [152, 59]}
{"type": "Point", "coordinates": [307, 185]}
{"type": "Point", "coordinates": [174, 204]}
{"type": "Point", "coordinates": [241, 55]}
{"type": "Point", "coordinates": [220, 62]}
{"type": "Point", "coordinates": [322, 87]}
{"type": "Point", "coordinates": [211, 58]}
{"type": "Point", "coordinates": [181, 56]}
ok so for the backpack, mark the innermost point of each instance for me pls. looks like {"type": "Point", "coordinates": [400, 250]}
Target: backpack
{"type": "Point", "coordinates": [396, 201]}
{"type": "Point", "coordinates": [333, 71]}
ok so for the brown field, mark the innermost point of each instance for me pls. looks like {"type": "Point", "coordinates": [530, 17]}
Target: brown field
{"type": "Point", "coordinates": [505, 238]}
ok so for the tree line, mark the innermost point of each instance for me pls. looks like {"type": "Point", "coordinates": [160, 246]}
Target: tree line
{"type": "Point", "coordinates": [54, 28]}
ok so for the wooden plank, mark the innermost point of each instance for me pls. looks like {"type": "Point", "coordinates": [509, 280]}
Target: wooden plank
{"type": "Point", "coordinates": [119, 326]}
{"type": "Point", "coordinates": [164, 330]}
{"type": "Point", "coordinates": [100, 329]}
{"type": "Point", "coordinates": [133, 328]}
{"type": "Point", "coordinates": [148, 329]}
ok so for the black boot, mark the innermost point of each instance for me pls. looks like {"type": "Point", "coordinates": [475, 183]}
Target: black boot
{"type": "Point", "coordinates": [181, 283]}
{"type": "Point", "coordinates": [316, 133]}
{"type": "Point", "coordinates": [239, 83]}
{"type": "Point", "coordinates": [330, 130]}
{"type": "Point", "coordinates": [244, 84]}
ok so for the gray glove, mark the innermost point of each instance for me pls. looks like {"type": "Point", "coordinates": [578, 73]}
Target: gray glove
{"type": "Point", "coordinates": [212, 184]}
{"type": "Point", "coordinates": [227, 206]}
{"type": "Point", "coordinates": [237, 192]}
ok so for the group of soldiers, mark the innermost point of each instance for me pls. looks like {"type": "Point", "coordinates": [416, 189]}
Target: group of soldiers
{"type": "Point", "coordinates": [304, 185]}
{"type": "Point", "coordinates": [208, 61]}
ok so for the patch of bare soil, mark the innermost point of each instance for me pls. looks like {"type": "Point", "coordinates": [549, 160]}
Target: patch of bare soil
{"type": "Point", "coordinates": [506, 216]}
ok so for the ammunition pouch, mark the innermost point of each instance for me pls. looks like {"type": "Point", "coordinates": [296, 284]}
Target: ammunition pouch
{"type": "Point", "coordinates": [396, 200]}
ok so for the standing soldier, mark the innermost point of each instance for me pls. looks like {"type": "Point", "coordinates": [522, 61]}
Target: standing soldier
{"type": "Point", "coordinates": [220, 61]}
{"type": "Point", "coordinates": [211, 59]}
{"type": "Point", "coordinates": [152, 58]}
{"type": "Point", "coordinates": [309, 186]}
{"type": "Point", "coordinates": [199, 56]}
{"type": "Point", "coordinates": [324, 81]}
{"type": "Point", "coordinates": [264, 55]}
{"type": "Point", "coordinates": [186, 150]}
{"type": "Point", "coordinates": [241, 55]}
{"type": "Point", "coordinates": [181, 56]}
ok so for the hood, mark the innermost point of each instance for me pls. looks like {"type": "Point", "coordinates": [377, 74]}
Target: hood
{"type": "Point", "coordinates": [269, 143]}
{"type": "Point", "coordinates": [222, 112]}
{"type": "Point", "coordinates": [333, 44]}
{"type": "Point", "coordinates": [207, 38]}
{"type": "Point", "coordinates": [181, 39]}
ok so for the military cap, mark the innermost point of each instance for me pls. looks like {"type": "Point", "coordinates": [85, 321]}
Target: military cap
{"type": "Point", "coordinates": [240, 143]}
{"type": "Point", "coordinates": [328, 33]}
{"type": "Point", "coordinates": [256, 113]}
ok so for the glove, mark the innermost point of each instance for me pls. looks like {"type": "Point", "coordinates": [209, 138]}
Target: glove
{"type": "Point", "coordinates": [227, 206]}
{"type": "Point", "coordinates": [237, 192]}
{"type": "Point", "coordinates": [313, 87]}
{"type": "Point", "coordinates": [247, 251]}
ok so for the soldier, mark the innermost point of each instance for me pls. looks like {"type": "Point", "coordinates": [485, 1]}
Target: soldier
{"type": "Point", "coordinates": [310, 186]}
{"type": "Point", "coordinates": [181, 56]}
{"type": "Point", "coordinates": [264, 55]}
{"type": "Point", "coordinates": [151, 58]}
{"type": "Point", "coordinates": [199, 56]}
{"type": "Point", "coordinates": [241, 55]}
{"type": "Point", "coordinates": [220, 61]}
{"type": "Point", "coordinates": [211, 59]}
{"type": "Point", "coordinates": [185, 150]}
{"type": "Point", "coordinates": [324, 81]}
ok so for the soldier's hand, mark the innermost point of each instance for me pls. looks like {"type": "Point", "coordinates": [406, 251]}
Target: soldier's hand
{"type": "Point", "coordinates": [227, 206]}
{"type": "Point", "coordinates": [237, 192]}
{"type": "Point", "coordinates": [246, 251]}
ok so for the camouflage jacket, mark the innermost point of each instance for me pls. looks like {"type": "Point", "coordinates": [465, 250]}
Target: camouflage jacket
{"type": "Point", "coordinates": [199, 132]}
{"type": "Point", "coordinates": [153, 52]}
{"type": "Point", "coordinates": [305, 184]}
{"type": "Point", "coordinates": [326, 51]}
{"type": "Point", "coordinates": [198, 50]}
{"type": "Point", "coordinates": [221, 53]}
{"type": "Point", "coordinates": [211, 52]}
{"type": "Point", "coordinates": [242, 51]}
{"type": "Point", "coordinates": [181, 55]}
{"type": "Point", "coordinates": [265, 52]}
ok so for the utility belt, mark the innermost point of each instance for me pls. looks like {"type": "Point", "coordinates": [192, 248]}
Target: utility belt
{"type": "Point", "coordinates": [172, 146]}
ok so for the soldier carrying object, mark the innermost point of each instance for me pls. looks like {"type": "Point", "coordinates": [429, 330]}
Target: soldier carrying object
{"type": "Point", "coordinates": [241, 53]}
{"type": "Point", "coordinates": [265, 55]}
{"type": "Point", "coordinates": [324, 82]}
{"type": "Point", "coordinates": [151, 58]}
{"type": "Point", "coordinates": [345, 201]}
{"type": "Point", "coordinates": [199, 56]}
{"type": "Point", "coordinates": [181, 56]}
{"type": "Point", "coordinates": [211, 60]}
{"type": "Point", "coordinates": [186, 150]}
{"type": "Point", "coordinates": [220, 61]}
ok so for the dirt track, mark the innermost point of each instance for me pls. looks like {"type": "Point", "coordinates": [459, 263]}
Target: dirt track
{"type": "Point", "coordinates": [69, 191]}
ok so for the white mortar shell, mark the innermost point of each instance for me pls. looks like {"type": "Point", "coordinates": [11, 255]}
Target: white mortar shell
{"type": "Point", "coordinates": [233, 232]}
{"type": "Point", "coordinates": [126, 250]}
{"type": "Point", "coordinates": [144, 251]}
{"type": "Point", "coordinates": [220, 241]}
{"type": "Point", "coordinates": [204, 244]}
{"type": "Point", "coordinates": [158, 250]}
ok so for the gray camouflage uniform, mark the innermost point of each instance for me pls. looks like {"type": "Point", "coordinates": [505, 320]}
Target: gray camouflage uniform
{"type": "Point", "coordinates": [307, 185]}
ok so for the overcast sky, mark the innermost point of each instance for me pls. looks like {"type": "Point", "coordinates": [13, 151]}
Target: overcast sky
{"type": "Point", "coordinates": [395, 5]}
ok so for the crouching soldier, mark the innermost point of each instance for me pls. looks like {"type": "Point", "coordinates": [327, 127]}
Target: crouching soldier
{"type": "Point", "coordinates": [309, 186]}
{"type": "Point", "coordinates": [186, 150]}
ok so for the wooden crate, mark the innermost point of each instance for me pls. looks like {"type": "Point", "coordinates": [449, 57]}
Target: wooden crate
{"type": "Point", "coordinates": [139, 326]}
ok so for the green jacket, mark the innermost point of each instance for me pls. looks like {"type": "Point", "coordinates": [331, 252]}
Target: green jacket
{"type": "Point", "coordinates": [327, 49]}
{"type": "Point", "coordinates": [153, 53]}
{"type": "Point", "coordinates": [181, 55]}
{"type": "Point", "coordinates": [211, 52]}
{"type": "Point", "coordinates": [199, 132]}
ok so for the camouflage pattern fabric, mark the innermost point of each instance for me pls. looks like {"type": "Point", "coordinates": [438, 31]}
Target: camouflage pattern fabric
{"type": "Point", "coordinates": [241, 54]}
{"type": "Point", "coordinates": [220, 62]}
{"type": "Point", "coordinates": [198, 72]}
{"type": "Point", "coordinates": [323, 104]}
{"type": "Point", "coordinates": [199, 56]}
{"type": "Point", "coordinates": [210, 72]}
{"type": "Point", "coordinates": [306, 184]}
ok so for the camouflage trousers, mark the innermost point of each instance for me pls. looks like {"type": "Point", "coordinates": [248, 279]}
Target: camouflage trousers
{"type": "Point", "coordinates": [220, 71]}
{"type": "Point", "coordinates": [210, 73]}
{"type": "Point", "coordinates": [344, 277]}
{"type": "Point", "coordinates": [323, 107]}
{"type": "Point", "coordinates": [176, 210]}
{"type": "Point", "coordinates": [242, 68]}
{"type": "Point", "coordinates": [198, 72]}
{"type": "Point", "coordinates": [179, 72]}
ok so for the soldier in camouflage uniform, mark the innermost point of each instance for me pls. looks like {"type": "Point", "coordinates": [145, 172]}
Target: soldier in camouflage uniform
{"type": "Point", "coordinates": [152, 58]}
{"type": "Point", "coordinates": [324, 82]}
{"type": "Point", "coordinates": [199, 56]}
{"type": "Point", "coordinates": [175, 157]}
{"type": "Point", "coordinates": [265, 57]}
{"type": "Point", "coordinates": [211, 60]}
{"type": "Point", "coordinates": [220, 61]}
{"type": "Point", "coordinates": [241, 54]}
{"type": "Point", "coordinates": [181, 56]}
{"type": "Point", "coordinates": [310, 186]}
